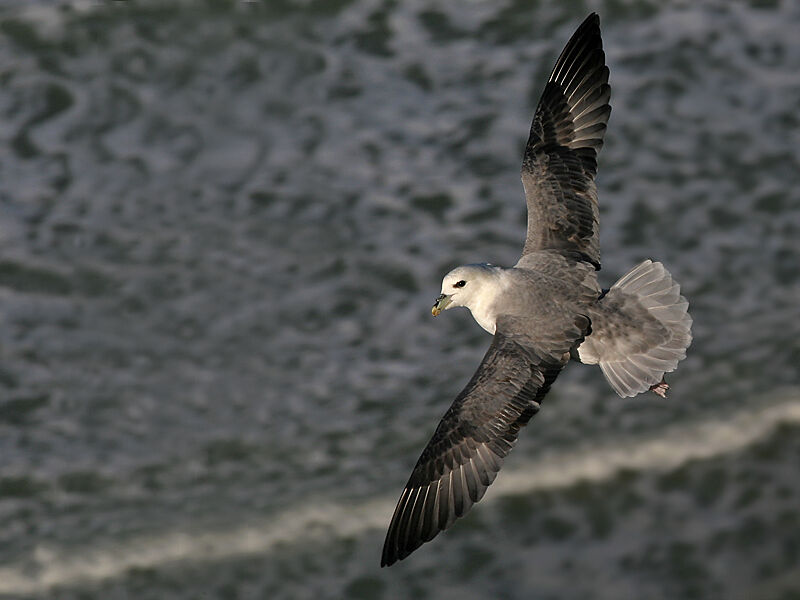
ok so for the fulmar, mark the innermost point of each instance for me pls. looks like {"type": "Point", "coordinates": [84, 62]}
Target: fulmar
{"type": "Point", "coordinates": [545, 309]}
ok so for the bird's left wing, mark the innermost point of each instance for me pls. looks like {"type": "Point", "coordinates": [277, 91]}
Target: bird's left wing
{"type": "Point", "coordinates": [474, 436]}
{"type": "Point", "coordinates": [561, 154]}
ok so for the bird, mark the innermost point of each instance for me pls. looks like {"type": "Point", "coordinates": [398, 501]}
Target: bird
{"type": "Point", "coordinates": [546, 309]}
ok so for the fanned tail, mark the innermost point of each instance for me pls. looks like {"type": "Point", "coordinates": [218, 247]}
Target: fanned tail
{"type": "Point", "coordinates": [641, 330]}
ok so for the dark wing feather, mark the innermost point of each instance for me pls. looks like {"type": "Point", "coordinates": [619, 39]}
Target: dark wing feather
{"type": "Point", "coordinates": [470, 443]}
{"type": "Point", "coordinates": [561, 154]}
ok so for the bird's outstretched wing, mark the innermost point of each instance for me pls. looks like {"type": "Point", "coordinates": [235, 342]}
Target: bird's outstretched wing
{"type": "Point", "coordinates": [474, 436]}
{"type": "Point", "coordinates": [561, 154]}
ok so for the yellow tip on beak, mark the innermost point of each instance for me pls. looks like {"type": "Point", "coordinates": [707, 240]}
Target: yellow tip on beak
{"type": "Point", "coordinates": [441, 303]}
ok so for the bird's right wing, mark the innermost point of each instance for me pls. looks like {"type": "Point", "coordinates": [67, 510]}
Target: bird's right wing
{"type": "Point", "coordinates": [561, 154]}
{"type": "Point", "coordinates": [474, 436]}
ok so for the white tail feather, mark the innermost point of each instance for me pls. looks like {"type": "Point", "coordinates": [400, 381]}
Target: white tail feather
{"type": "Point", "coordinates": [641, 330]}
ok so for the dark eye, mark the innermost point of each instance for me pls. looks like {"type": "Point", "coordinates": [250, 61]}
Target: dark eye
{"type": "Point", "coordinates": [461, 283]}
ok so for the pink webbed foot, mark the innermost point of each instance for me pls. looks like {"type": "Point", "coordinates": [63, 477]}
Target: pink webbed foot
{"type": "Point", "coordinates": [660, 388]}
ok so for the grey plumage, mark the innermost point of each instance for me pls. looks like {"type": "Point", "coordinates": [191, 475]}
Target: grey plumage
{"type": "Point", "coordinates": [642, 330]}
{"type": "Point", "coordinates": [546, 308]}
{"type": "Point", "coordinates": [468, 448]}
{"type": "Point", "coordinates": [560, 159]}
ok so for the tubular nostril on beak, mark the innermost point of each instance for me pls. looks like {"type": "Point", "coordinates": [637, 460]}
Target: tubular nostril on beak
{"type": "Point", "coordinates": [441, 303]}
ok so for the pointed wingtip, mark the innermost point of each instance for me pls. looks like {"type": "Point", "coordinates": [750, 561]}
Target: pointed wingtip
{"type": "Point", "coordinates": [391, 554]}
{"type": "Point", "coordinates": [590, 23]}
{"type": "Point", "coordinates": [387, 557]}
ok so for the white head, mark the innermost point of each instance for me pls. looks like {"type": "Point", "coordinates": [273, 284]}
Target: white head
{"type": "Point", "coordinates": [473, 286]}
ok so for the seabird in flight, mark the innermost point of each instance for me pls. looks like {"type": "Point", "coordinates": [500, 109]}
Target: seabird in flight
{"type": "Point", "coordinates": [545, 309]}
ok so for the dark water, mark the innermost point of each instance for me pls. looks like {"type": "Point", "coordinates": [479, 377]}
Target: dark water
{"type": "Point", "coordinates": [222, 226]}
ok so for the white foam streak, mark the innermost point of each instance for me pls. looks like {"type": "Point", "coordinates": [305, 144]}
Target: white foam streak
{"type": "Point", "coordinates": [672, 447]}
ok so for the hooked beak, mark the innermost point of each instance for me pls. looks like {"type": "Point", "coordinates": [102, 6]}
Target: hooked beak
{"type": "Point", "coordinates": [442, 302]}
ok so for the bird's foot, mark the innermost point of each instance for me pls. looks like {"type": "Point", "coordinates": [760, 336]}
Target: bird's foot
{"type": "Point", "coordinates": [660, 388]}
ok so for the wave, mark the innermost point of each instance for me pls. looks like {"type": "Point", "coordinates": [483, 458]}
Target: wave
{"type": "Point", "coordinates": [675, 445]}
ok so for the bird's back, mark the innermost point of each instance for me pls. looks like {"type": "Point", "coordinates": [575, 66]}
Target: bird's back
{"type": "Point", "coordinates": [547, 292]}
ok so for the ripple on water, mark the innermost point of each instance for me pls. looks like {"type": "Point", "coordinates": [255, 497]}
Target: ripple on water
{"type": "Point", "coordinates": [221, 230]}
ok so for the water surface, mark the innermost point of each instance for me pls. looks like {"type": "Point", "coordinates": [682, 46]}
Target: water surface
{"type": "Point", "coordinates": [222, 226]}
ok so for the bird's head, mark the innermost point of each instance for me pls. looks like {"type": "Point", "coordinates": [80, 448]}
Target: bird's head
{"type": "Point", "coordinates": [463, 286]}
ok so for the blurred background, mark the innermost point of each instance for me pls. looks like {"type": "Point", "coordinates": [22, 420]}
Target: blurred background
{"type": "Point", "coordinates": [223, 224]}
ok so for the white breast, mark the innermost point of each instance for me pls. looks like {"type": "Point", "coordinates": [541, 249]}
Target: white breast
{"type": "Point", "coordinates": [482, 305]}
{"type": "Point", "coordinates": [485, 318]}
